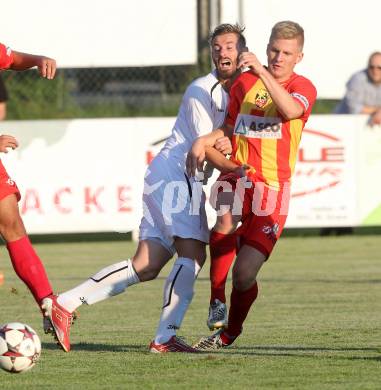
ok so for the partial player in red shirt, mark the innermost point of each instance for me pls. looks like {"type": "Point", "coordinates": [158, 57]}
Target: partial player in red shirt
{"type": "Point", "coordinates": [268, 109]}
{"type": "Point", "coordinates": [25, 261]}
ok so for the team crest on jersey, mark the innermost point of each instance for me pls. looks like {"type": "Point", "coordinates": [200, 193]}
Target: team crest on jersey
{"type": "Point", "coordinates": [261, 98]}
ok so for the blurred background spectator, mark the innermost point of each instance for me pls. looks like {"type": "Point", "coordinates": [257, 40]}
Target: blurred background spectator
{"type": "Point", "coordinates": [363, 94]}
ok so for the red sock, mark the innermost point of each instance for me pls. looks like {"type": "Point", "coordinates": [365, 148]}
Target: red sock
{"type": "Point", "coordinates": [240, 303]}
{"type": "Point", "coordinates": [29, 268]}
{"type": "Point", "coordinates": [222, 254]}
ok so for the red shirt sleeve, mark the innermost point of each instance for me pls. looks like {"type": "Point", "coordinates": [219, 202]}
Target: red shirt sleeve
{"type": "Point", "coordinates": [6, 57]}
{"type": "Point", "coordinates": [236, 95]}
{"type": "Point", "coordinates": [304, 93]}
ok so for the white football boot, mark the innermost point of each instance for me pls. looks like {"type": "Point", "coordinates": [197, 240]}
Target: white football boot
{"type": "Point", "coordinates": [218, 315]}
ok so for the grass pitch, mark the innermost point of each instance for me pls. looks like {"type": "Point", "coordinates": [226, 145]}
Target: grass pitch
{"type": "Point", "coordinates": [315, 325]}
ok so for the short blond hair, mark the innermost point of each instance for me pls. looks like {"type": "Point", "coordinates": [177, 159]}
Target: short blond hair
{"type": "Point", "coordinates": [288, 30]}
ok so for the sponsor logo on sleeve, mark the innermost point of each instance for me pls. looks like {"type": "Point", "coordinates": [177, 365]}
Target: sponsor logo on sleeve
{"type": "Point", "coordinates": [302, 99]}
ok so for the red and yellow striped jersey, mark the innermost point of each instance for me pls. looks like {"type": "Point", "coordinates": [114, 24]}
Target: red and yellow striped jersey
{"type": "Point", "coordinates": [6, 57]}
{"type": "Point", "coordinates": [262, 138]}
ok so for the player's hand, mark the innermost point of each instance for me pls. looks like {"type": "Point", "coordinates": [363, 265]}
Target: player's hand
{"type": "Point", "coordinates": [375, 118]}
{"type": "Point", "coordinates": [208, 172]}
{"type": "Point", "coordinates": [250, 60]}
{"type": "Point", "coordinates": [195, 157]}
{"type": "Point", "coordinates": [47, 67]}
{"type": "Point", "coordinates": [242, 170]}
{"type": "Point", "coordinates": [6, 142]}
{"type": "Point", "coordinates": [224, 145]}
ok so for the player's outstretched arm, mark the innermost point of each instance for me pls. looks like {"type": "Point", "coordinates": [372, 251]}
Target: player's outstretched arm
{"type": "Point", "coordinates": [219, 161]}
{"type": "Point", "coordinates": [196, 156]}
{"type": "Point", "coordinates": [46, 66]}
{"type": "Point", "coordinates": [284, 102]}
{"type": "Point", "coordinates": [224, 145]}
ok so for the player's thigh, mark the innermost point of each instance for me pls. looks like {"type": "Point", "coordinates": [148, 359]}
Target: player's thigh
{"type": "Point", "coordinates": [246, 267]}
{"type": "Point", "coordinates": [11, 224]}
{"type": "Point", "coordinates": [228, 204]}
{"type": "Point", "coordinates": [226, 223]}
{"type": "Point", "coordinates": [150, 257]}
{"type": "Point", "coordinates": [191, 249]}
{"type": "Point", "coordinates": [223, 202]}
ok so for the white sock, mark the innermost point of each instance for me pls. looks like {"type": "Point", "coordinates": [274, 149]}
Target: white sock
{"type": "Point", "coordinates": [110, 281]}
{"type": "Point", "coordinates": [178, 294]}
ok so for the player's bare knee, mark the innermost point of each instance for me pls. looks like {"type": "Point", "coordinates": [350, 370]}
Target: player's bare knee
{"type": "Point", "coordinates": [227, 223]}
{"type": "Point", "coordinates": [242, 282]}
{"type": "Point", "coordinates": [149, 272]}
{"type": "Point", "coordinates": [200, 260]}
{"type": "Point", "coordinates": [224, 227]}
{"type": "Point", "coordinates": [243, 278]}
{"type": "Point", "coordinates": [199, 256]}
{"type": "Point", "coordinates": [191, 249]}
{"type": "Point", "coordinates": [12, 228]}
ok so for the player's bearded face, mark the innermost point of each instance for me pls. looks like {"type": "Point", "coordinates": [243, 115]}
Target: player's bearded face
{"type": "Point", "coordinates": [282, 56]}
{"type": "Point", "coordinates": [225, 54]}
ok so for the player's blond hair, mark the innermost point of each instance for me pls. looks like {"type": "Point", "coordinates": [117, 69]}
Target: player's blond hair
{"type": "Point", "coordinates": [288, 30]}
{"type": "Point", "coordinates": [227, 28]}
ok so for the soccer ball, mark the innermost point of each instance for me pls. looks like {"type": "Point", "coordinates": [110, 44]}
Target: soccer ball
{"type": "Point", "coordinates": [20, 347]}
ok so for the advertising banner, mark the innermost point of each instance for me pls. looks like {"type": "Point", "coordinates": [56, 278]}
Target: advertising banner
{"type": "Point", "coordinates": [88, 175]}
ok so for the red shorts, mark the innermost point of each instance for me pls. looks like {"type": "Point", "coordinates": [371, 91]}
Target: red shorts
{"type": "Point", "coordinates": [7, 185]}
{"type": "Point", "coordinates": [264, 212]}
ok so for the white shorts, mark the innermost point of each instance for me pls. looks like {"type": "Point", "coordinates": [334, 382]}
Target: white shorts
{"type": "Point", "coordinates": [173, 205]}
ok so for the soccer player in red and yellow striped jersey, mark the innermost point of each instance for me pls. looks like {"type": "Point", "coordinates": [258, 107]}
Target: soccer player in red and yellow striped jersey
{"type": "Point", "coordinates": [268, 109]}
{"type": "Point", "coordinates": [262, 138]}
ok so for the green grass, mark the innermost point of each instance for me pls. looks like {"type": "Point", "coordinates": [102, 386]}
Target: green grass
{"type": "Point", "coordinates": [315, 325]}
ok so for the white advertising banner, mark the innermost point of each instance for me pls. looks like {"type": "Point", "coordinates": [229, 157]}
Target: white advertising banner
{"type": "Point", "coordinates": [368, 146]}
{"type": "Point", "coordinates": [82, 175]}
{"type": "Point", "coordinates": [87, 175]}
{"type": "Point", "coordinates": [324, 184]}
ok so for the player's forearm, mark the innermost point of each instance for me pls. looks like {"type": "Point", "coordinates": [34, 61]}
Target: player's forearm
{"type": "Point", "coordinates": [369, 109]}
{"type": "Point", "coordinates": [46, 66]}
{"type": "Point", "coordinates": [3, 110]}
{"type": "Point", "coordinates": [211, 138]}
{"type": "Point", "coordinates": [219, 161]}
{"type": "Point", "coordinates": [23, 61]}
{"type": "Point", "coordinates": [284, 102]}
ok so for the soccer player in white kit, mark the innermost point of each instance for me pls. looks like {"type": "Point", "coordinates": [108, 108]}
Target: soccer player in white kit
{"type": "Point", "coordinates": [174, 218]}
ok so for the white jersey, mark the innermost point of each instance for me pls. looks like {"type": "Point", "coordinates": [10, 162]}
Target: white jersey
{"type": "Point", "coordinates": [203, 109]}
{"type": "Point", "coordinates": [173, 204]}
